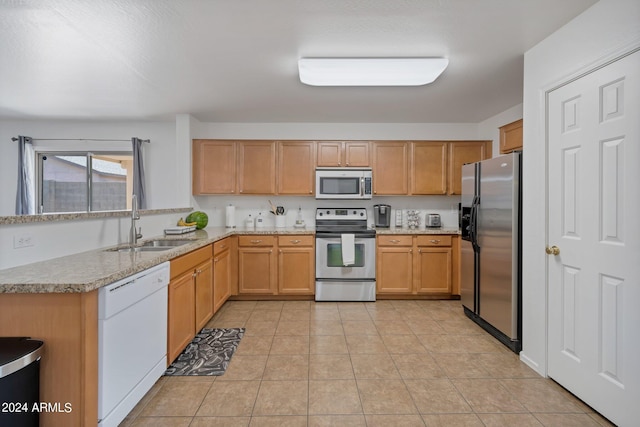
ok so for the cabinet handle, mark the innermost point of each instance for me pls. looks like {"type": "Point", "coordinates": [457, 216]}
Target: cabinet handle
{"type": "Point", "coordinates": [215, 259]}
{"type": "Point", "coordinates": [270, 251]}
{"type": "Point", "coordinates": [255, 242]}
{"type": "Point", "coordinates": [339, 164]}
{"type": "Point", "coordinates": [223, 246]}
{"type": "Point", "coordinates": [295, 242]}
{"type": "Point", "coordinates": [394, 241]}
{"type": "Point", "coordinates": [194, 275]}
{"type": "Point", "coordinates": [241, 191]}
{"type": "Point", "coordinates": [347, 164]}
{"type": "Point", "coordinates": [434, 241]}
{"type": "Point", "coordinates": [279, 250]}
{"type": "Point", "coordinates": [419, 251]}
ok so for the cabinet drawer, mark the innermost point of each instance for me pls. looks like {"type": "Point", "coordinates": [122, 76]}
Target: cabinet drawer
{"type": "Point", "coordinates": [393, 240]}
{"type": "Point", "coordinates": [295, 240]}
{"type": "Point", "coordinates": [220, 246]}
{"type": "Point", "coordinates": [257, 240]}
{"type": "Point", "coordinates": [188, 261]}
{"type": "Point", "coordinates": [434, 240]}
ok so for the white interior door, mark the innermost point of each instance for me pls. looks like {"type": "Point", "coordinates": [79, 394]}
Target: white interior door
{"type": "Point", "coordinates": [594, 212]}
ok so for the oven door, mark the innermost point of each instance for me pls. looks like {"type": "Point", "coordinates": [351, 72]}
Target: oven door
{"type": "Point", "coordinates": [329, 258]}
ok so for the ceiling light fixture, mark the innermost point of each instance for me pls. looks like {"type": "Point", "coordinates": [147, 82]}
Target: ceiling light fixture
{"type": "Point", "coordinates": [370, 71]}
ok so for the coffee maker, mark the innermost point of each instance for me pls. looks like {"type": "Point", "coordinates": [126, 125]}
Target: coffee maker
{"type": "Point", "coordinates": [382, 215]}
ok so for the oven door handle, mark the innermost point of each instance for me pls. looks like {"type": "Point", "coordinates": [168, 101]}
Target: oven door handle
{"type": "Point", "coordinates": [338, 235]}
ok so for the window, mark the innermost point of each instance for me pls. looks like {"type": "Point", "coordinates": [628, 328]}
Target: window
{"type": "Point", "coordinates": [84, 181]}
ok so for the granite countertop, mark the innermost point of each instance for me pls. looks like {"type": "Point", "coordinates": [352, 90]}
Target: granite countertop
{"type": "Point", "coordinates": [87, 271]}
{"type": "Point", "coordinates": [440, 230]}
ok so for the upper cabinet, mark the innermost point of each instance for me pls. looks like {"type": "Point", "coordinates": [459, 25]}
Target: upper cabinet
{"type": "Point", "coordinates": [214, 166]}
{"type": "Point", "coordinates": [429, 167]}
{"type": "Point", "coordinates": [343, 153]}
{"type": "Point", "coordinates": [257, 167]}
{"type": "Point", "coordinates": [288, 167]}
{"type": "Point", "coordinates": [511, 137]}
{"type": "Point", "coordinates": [296, 164]}
{"type": "Point", "coordinates": [460, 153]}
{"type": "Point", "coordinates": [390, 167]}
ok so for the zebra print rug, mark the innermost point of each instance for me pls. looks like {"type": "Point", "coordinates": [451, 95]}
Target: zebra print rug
{"type": "Point", "coordinates": [209, 353]}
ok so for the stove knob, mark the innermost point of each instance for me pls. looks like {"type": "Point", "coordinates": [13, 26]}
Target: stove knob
{"type": "Point", "coordinates": [328, 212]}
{"type": "Point", "coordinates": [361, 213]}
{"type": "Point", "coordinates": [354, 212]}
{"type": "Point", "coordinates": [320, 213]}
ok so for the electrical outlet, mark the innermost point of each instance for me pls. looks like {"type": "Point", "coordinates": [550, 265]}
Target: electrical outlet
{"type": "Point", "coordinates": [23, 241]}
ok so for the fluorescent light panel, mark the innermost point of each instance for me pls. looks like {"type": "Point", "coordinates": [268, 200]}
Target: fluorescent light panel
{"type": "Point", "coordinates": [370, 71]}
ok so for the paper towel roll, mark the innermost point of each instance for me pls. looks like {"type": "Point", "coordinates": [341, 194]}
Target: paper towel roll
{"type": "Point", "coordinates": [230, 216]}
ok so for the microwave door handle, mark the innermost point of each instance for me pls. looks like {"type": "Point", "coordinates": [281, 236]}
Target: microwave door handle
{"type": "Point", "coordinates": [361, 186]}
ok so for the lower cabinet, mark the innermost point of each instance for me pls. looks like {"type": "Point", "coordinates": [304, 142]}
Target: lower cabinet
{"type": "Point", "coordinates": [296, 265]}
{"type": "Point", "coordinates": [222, 271]}
{"type": "Point", "coordinates": [190, 298]}
{"type": "Point", "coordinates": [257, 264]}
{"type": "Point", "coordinates": [270, 265]}
{"type": "Point", "coordinates": [417, 265]}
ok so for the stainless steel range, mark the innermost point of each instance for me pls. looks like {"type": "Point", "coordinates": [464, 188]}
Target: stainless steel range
{"type": "Point", "coordinates": [345, 255]}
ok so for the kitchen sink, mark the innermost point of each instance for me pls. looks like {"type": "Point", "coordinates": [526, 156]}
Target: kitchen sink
{"type": "Point", "coordinates": [166, 243]}
{"type": "Point", "coordinates": [141, 249]}
{"type": "Point", "coordinates": [154, 245]}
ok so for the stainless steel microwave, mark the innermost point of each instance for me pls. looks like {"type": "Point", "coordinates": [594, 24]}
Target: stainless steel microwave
{"type": "Point", "coordinates": [344, 183]}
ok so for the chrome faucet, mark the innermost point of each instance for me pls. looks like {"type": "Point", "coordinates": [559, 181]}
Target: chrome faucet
{"type": "Point", "coordinates": [135, 215]}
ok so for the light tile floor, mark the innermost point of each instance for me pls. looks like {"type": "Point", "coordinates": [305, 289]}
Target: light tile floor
{"type": "Point", "coordinates": [388, 363]}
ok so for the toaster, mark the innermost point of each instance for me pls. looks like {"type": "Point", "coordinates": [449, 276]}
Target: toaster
{"type": "Point", "coordinates": [432, 220]}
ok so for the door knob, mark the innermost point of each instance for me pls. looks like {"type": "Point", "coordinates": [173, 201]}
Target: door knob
{"type": "Point", "coordinates": [553, 250]}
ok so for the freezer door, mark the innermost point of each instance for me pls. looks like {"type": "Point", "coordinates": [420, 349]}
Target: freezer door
{"type": "Point", "coordinates": [498, 240]}
{"type": "Point", "coordinates": [467, 275]}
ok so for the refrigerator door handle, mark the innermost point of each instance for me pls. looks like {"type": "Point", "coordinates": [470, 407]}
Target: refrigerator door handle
{"type": "Point", "coordinates": [473, 223]}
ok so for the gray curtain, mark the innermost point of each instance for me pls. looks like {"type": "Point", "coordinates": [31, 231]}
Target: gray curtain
{"type": "Point", "coordinates": [138, 173]}
{"type": "Point", "coordinates": [25, 194]}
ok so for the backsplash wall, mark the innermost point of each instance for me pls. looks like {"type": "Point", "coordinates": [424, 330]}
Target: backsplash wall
{"type": "Point", "coordinates": [214, 206]}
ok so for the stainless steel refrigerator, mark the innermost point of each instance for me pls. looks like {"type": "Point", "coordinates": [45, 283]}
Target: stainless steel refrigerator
{"type": "Point", "coordinates": [490, 220]}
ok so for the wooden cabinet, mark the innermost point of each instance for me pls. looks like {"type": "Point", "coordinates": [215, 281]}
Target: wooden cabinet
{"type": "Point", "coordinates": [190, 298]}
{"type": "Point", "coordinates": [434, 264]}
{"type": "Point", "coordinates": [296, 265]}
{"type": "Point", "coordinates": [296, 165]}
{"type": "Point", "coordinates": [390, 167]}
{"type": "Point", "coordinates": [429, 167]}
{"type": "Point", "coordinates": [214, 167]}
{"type": "Point", "coordinates": [256, 167]}
{"type": "Point", "coordinates": [221, 272]}
{"type": "Point", "coordinates": [460, 153]}
{"type": "Point", "coordinates": [203, 277]}
{"type": "Point", "coordinates": [343, 153]}
{"type": "Point", "coordinates": [394, 264]}
{"type": "Point", "coordinates": [417, 265]}
{"type": "Point", "coordinates": [511, 137]}
{"type": "Point", "coordinates": [257, 265]}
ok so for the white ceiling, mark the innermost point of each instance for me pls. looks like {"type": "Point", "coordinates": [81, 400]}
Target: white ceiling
{"type": "Point", "coordinates": [236, 60]}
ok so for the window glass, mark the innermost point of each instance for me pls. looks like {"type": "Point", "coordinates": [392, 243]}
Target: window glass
{"type": "Point", "coordinates": [81, 182]}
{"type": "Point", "coordinates": [334, 255]}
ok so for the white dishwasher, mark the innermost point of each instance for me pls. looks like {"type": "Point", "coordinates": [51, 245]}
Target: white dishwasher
{"type": "Point", "coordinates": [132, 341]}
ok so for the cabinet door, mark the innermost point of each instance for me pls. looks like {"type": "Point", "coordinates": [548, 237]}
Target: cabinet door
{"type": "Point", "coordinates": [394, 270]}
{"type": "Point", "coordinates": [429, 168]}
{"type": "Point", "coordinates": [296, 165]}
{"type": "Point", "coordinates": [461, 152]}
{"type": "Point", "coordinates": [221, 278]}
{"type": "Point", "coordinates": [181, 315]}
{"type": "Point", "coordinates": [296, 270]}
{"type": "Point", "coordinates": [511, 137]}
{"type": "Point", "coordinates": [433, 273]}
{"type": "Point", "coordinates": [204, 294]}
{"type": "Point", "coordinates": [356, 153]}
{"type": "Point", "coordinates": [256, 270]}
{"type": "Point", "coordinates": [257, 167]}
{"type": "Point", "coordinates": [329, 153]}
{"type": "Point", "coordinates": [214, 167]}
{"type": "Point", "coordinates": [390, 167]}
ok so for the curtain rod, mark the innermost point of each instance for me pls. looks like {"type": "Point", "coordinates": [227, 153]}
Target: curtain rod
{"type": "Point", "coordinates": [82, 139]}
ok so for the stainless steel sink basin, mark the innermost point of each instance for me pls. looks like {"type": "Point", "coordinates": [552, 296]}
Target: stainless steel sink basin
{"type": "Point", "coordinates": [154, 245]}
{"type": "Point", "coordinates": [166, 243]}
{"type": "Point", "coordinates": [142, 249]}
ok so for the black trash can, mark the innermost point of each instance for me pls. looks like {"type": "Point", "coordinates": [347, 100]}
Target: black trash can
{"type": "Point", "coordinates": [19, 381]}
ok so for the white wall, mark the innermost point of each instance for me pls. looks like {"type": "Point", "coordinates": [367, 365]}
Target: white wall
{"type": "Point", "coordinates": [161, 156]}
{"type": "Point", "coordinates": [598, 35]}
